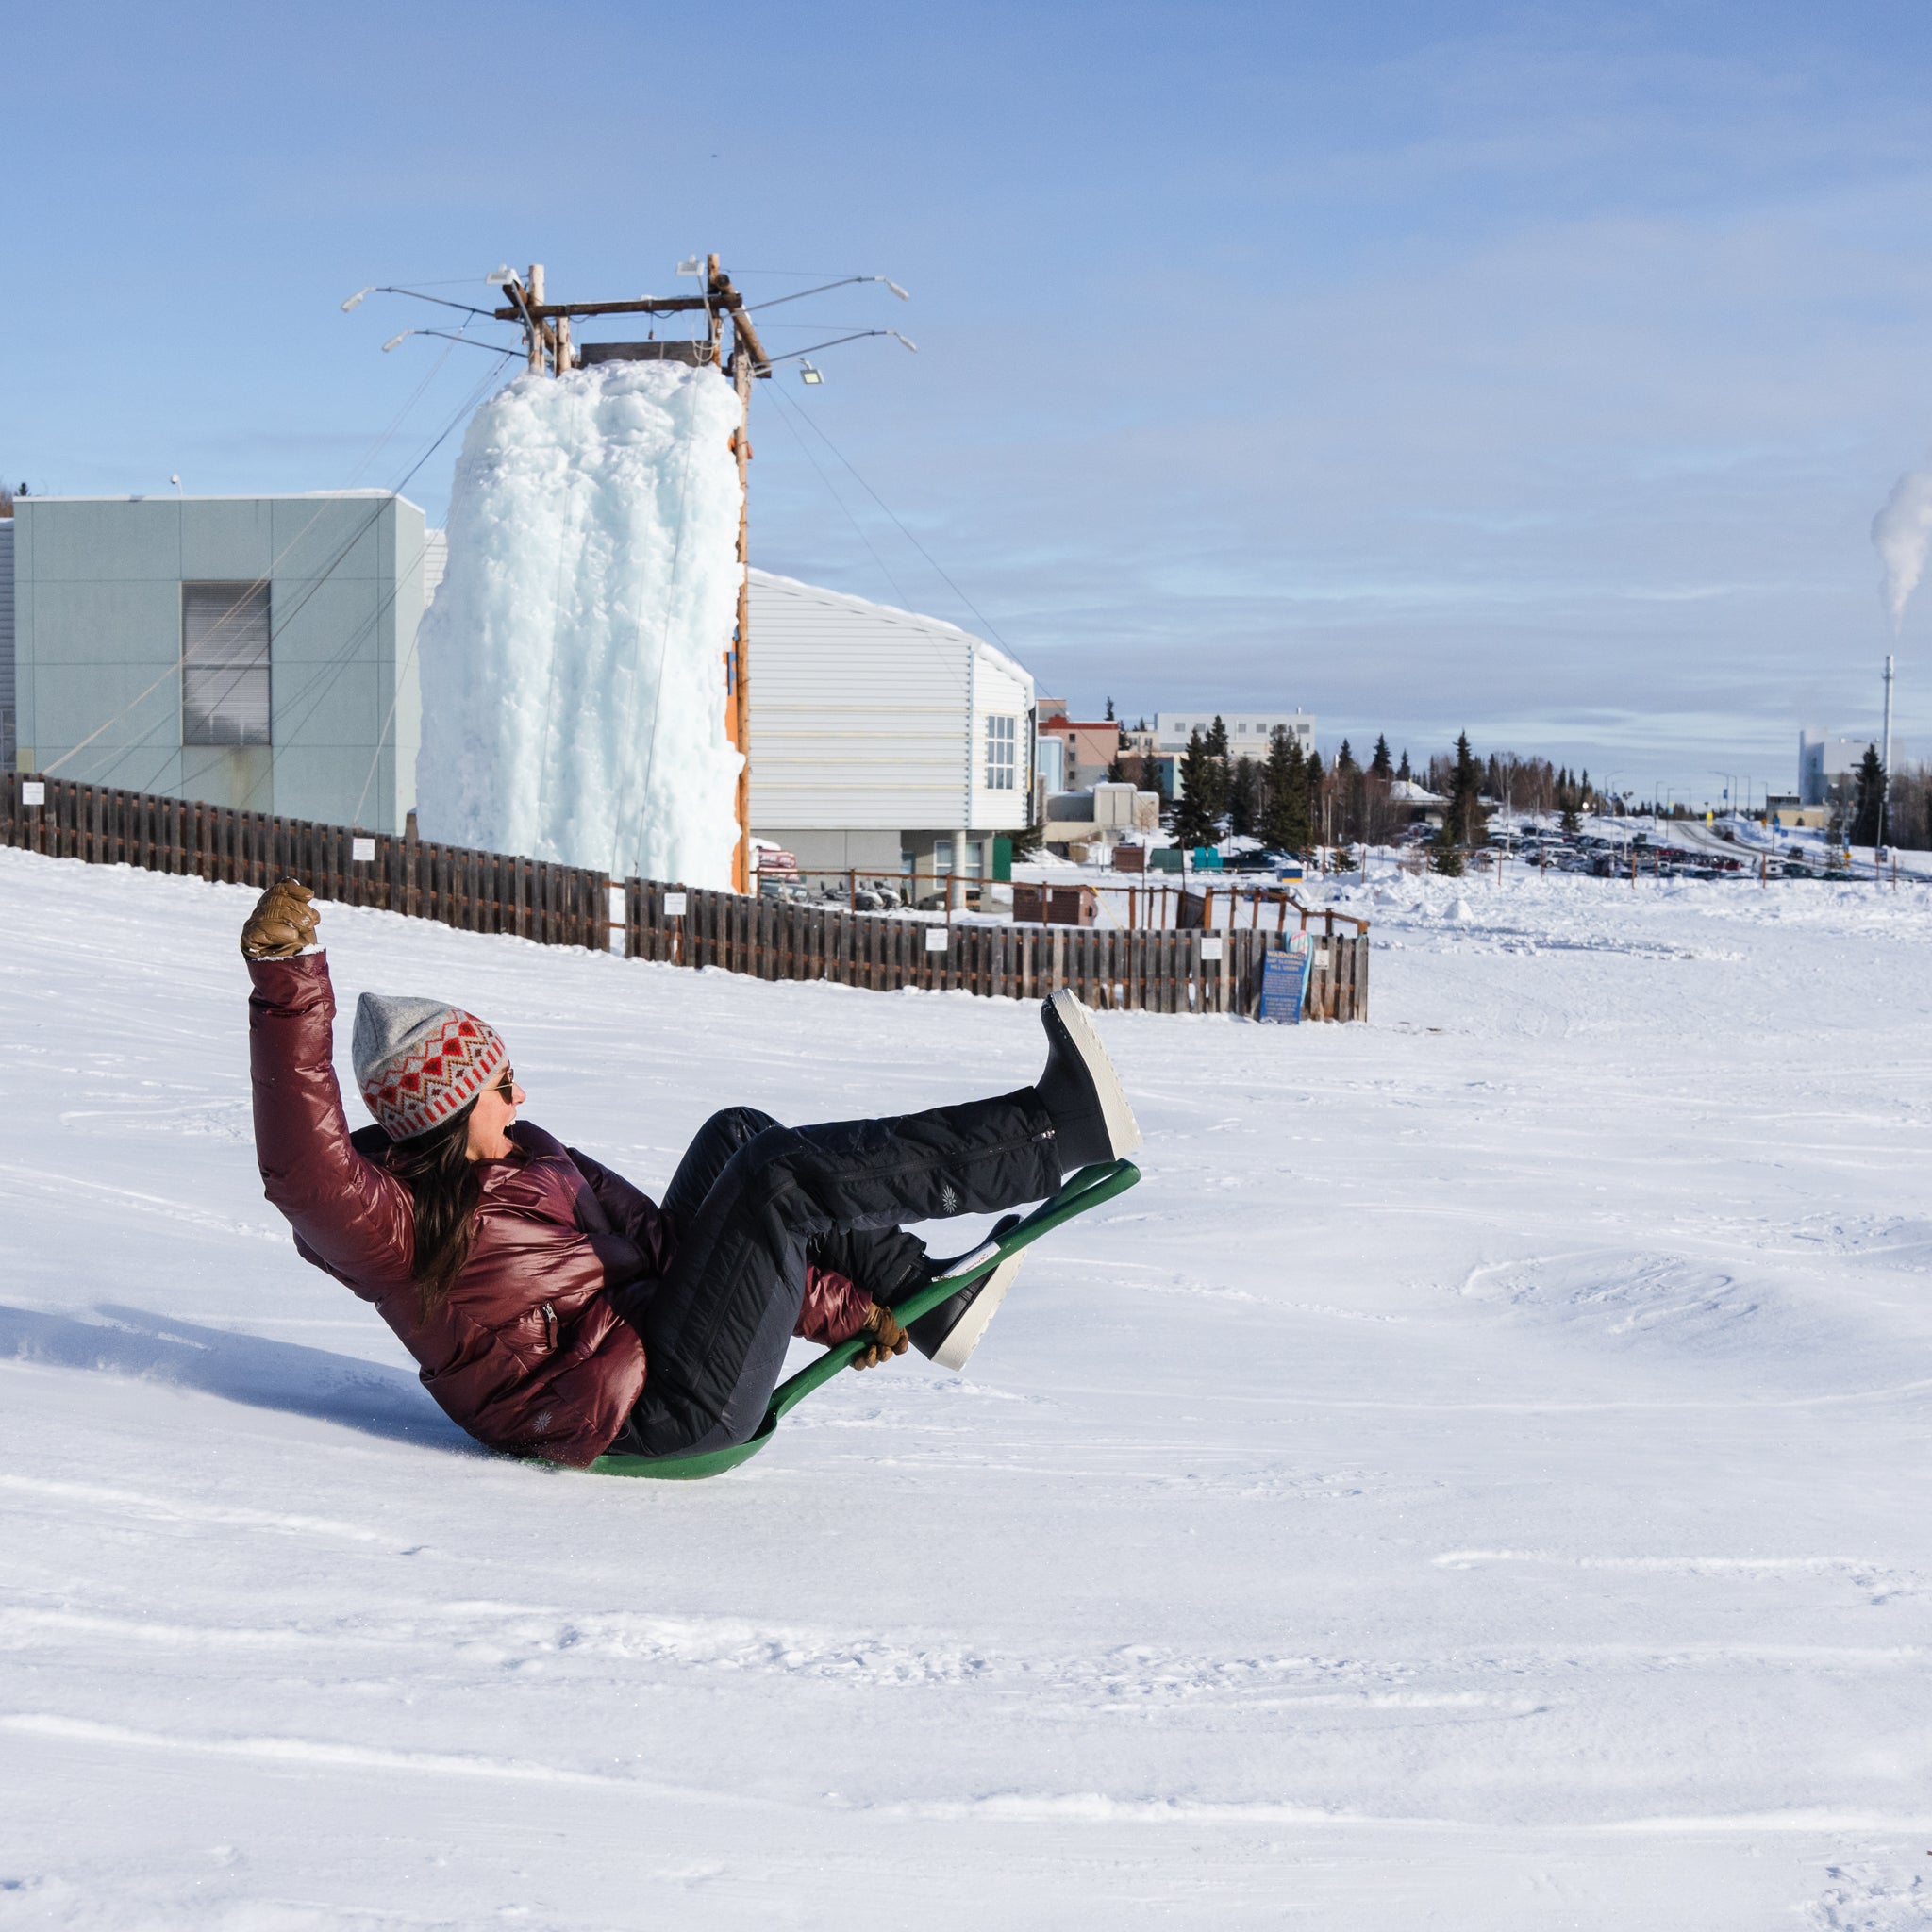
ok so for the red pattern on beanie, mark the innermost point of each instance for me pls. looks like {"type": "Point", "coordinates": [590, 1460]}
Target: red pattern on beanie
{"type": "Point", "coordinates": [435, 1077]}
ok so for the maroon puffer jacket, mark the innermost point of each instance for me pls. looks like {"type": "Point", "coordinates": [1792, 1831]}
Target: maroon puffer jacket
{"type": "Point", "coordinates": [527, 1352]}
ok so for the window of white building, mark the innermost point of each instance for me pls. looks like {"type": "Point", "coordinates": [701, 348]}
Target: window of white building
{"type": "Point", "coordinates": [225, 667]}
{"type": "Point", "coordinates": [1001, 747]}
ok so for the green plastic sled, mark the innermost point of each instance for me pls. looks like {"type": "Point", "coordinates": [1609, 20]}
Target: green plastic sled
{"type": "Point", "coordinates": [1087, 1189]}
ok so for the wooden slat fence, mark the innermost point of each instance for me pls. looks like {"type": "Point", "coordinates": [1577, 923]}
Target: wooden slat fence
{"type": "Point", "coordinates": [478, 892]}
{"type": "Point", "coordinates": [1162, 972]}
{"type": "Point", "coordinates": [1154, 971]}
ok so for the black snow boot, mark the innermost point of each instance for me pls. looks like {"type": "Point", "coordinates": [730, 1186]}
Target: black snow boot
{"type": "Point", "coordinates": [1091, 1119]}
{"type": "Point", "coordinates": [949, 1333]}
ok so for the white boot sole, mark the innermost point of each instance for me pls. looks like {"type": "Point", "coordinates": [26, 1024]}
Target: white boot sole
{"type": "Point", "coordinates": [1122, 1130]}
{"type": "Point", "coordinates": [964, 1338]}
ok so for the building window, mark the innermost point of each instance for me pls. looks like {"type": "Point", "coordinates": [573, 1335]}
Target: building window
{"type": "Point", "coordinates": [971, 863]}
{"type": "Point", "coordinates": [1002, 750]}
{"type": "Point", "coordinates": [225, 664]}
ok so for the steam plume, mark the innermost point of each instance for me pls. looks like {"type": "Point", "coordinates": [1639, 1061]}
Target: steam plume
{"type": "Point", "coordinates": [1903, 533]}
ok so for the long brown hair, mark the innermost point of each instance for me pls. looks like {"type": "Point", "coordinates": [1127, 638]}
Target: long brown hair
{"type": "Point", "coordinates": [445, 1186]}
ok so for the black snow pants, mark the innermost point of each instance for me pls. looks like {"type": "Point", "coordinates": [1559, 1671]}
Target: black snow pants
{"type": "Point", "coordinates": [753, 1203]}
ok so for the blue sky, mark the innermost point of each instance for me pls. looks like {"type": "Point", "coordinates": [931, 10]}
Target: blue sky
{"type": "Point", "coordinates": [1532, 371]}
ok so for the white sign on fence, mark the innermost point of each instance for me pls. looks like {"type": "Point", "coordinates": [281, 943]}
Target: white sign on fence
{"type": "Point", "coordinates": [361, 851]}
{"type": "Point", "coordinates": [616, 903]}
{"type": "Point", "coordinates": [1210, 949]}
{"type": "Point", "coordinates": [33, 791]}
{"type": "Point", "coordinates": [938, 938]}
{"type": "Point", "coordinates": [674, 905]}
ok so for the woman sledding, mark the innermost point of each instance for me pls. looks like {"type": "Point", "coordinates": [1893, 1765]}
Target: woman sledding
{"type": "Point", "coordinates": [555, 1311]}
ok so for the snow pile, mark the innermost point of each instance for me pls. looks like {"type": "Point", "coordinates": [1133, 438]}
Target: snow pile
{"type": "Point", "coordinates": [572, 676]}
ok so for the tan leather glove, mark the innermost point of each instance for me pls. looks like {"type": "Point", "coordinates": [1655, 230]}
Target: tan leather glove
{"type": "Point", "coordinates": [888, 1338]}
{"type": "Point", "coordinates": [282, 923]}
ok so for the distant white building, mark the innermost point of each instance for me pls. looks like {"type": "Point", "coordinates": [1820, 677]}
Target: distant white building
{"type": "Point", "coordinates": [1825, 762]}
{"type": "Point", "coordinates": [881, 738]}
{"type": "Point", "coordinates": [1247, 731]}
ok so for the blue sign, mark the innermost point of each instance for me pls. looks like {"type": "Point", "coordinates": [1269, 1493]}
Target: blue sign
{"type": "Point", "coordinates": [1284, 982]}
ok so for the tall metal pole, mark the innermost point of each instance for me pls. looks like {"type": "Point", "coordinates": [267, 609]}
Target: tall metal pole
{"type": "Point", "coordinates": [1885, 780]}
{"type": "Point", "coordinates": [740, 714]}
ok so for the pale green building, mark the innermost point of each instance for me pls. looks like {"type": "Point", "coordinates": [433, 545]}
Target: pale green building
{"type": "Point", "coordinates": [250, 651]}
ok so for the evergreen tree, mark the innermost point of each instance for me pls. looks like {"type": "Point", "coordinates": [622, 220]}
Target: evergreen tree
{"type": "Point", "coordinates": [1244, 798]}
{"type": "Point", "coordinates": [1346, 797]}
{"type": "Point", "coordinates": [1402, 770]}
{"type": "Point", "coordinates": [1116, 770]}
{"type": "Point", "coordinates": [1446, 855]}
{"type": "Point", "coordinates": [1865, 816]}
{"type": "Point", "coordinates": [1215, 775]}
{"type": "Point", "coordinates": [1379, 766]}
{"type": "Point", "coordinates": [1110, 710]}
{"type": "Point", "coordinates": [1464, 820]}
{"type": "Point", "coordinates": [1196, 819]}
{"type": "Point", "coordinates": [1317, 781]}
{"type": "Point", "coordinates": [1285, 819]}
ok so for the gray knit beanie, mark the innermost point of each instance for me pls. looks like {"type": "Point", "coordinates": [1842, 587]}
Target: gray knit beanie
{"type": "Point", "coordinates": [419, 1062]}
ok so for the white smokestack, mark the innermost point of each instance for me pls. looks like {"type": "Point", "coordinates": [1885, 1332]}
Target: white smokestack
{"type": "Point", "coordinates": [1903, 533]}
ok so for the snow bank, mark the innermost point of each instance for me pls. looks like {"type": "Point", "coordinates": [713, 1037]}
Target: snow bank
{"type": "Point", "coordinates": [573, 681]}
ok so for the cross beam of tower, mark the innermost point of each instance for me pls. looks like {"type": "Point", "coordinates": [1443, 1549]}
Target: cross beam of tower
{"type": "Point", "coordinates": [548, 346]}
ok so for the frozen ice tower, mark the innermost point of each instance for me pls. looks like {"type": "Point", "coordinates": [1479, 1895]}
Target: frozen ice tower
{"type": "Point", "coordinates": [573, 668]}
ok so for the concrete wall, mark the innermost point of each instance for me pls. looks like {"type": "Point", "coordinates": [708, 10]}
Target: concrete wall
{"type": "Point", "coordinates": [818, 849]}
{"type": "Point", "coordinates": [99, 646]}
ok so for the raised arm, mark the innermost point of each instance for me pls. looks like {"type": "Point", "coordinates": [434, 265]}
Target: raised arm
{"type": "Point", "coordinates": [354, 1217]}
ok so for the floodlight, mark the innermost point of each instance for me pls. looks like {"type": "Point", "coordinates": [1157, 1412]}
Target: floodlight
{"type": "Point", "coordinates": [898, 337]}
{"type": "Point", "coordinates": [807, 373]}
{"type": "Point", "coordinates": [500, 276]}
{"type": "Point", "coordinates": [395, 340]}
{"type": "Point", "coordinates": [896, 288]}
{"type": "Point", "coordinates": [690, 265]}
{"type": "Point", "coordinates": [354, 299]}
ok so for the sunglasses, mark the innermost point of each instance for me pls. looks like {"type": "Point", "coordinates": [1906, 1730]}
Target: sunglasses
{"type": "Point", "coordinates": [505, 1084]}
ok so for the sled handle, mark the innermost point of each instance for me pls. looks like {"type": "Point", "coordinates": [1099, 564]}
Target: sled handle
{"type": "Point", "coordinates": [1087, 1189]}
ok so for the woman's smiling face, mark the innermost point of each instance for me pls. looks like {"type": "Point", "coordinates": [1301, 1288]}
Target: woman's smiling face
{"type": "Point", "coordinates": [491, 1117]}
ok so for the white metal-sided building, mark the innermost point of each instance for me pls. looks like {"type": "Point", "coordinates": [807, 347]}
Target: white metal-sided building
{"type": "Point", "coordinates": [880, 739]}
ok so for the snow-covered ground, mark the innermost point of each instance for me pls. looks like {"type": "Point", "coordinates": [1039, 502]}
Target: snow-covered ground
{"type": "Point", "coordinates": [1478, 1480]}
